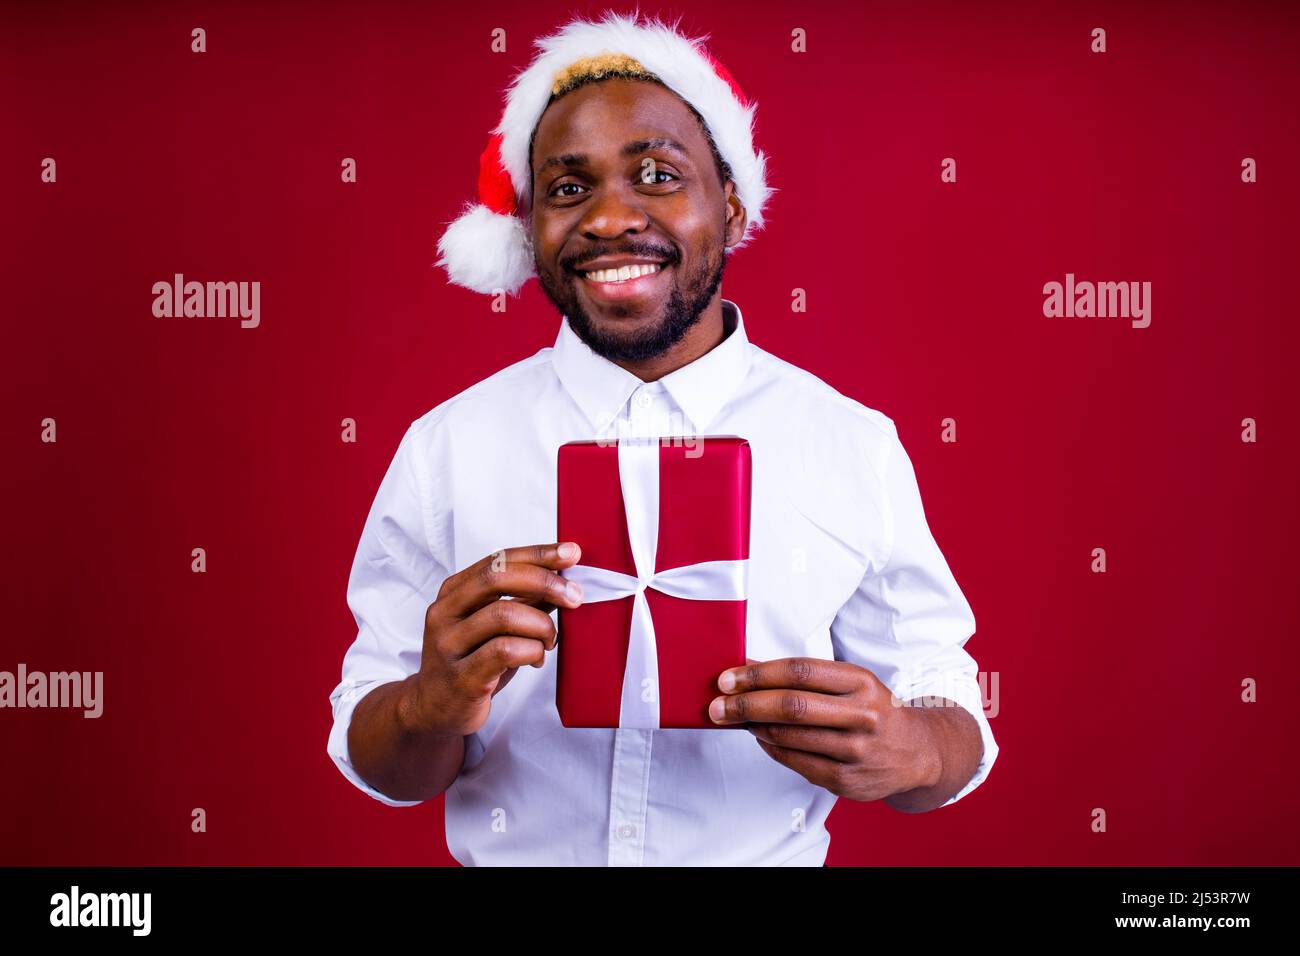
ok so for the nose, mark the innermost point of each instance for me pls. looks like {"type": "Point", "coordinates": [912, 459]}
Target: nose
{"type": "Point", "coordinates": [611, 213]}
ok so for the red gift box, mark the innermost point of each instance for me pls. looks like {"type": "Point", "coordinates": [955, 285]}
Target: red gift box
{"type": "Point", "coordinates": [664, 529]}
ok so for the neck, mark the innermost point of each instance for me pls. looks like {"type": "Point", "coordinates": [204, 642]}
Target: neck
{"type": "Point", "coordinates": [703, 337]}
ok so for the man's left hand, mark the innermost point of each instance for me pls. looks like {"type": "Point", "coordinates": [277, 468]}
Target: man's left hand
{"type": "Point", "coordinates": [833, 722]}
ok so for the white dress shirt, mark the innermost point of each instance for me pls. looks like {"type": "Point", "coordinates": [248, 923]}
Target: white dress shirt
{"type": "Point", "coordinates": [842, 566]}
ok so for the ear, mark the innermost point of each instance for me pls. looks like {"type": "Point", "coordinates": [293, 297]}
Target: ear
{"type": "Point", "coordinates": [736, 216]}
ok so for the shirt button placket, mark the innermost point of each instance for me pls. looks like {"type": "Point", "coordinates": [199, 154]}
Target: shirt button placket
{"type": "Point", "coordinates": [630, 785]}
{"type": "Point", "coordinates": [638, 411]}
{"type": "Point", "coordinates": [628, 796]}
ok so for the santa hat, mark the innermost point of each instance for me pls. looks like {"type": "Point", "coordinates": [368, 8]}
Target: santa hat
{"type": "Point", "coordinates": [487, 248]}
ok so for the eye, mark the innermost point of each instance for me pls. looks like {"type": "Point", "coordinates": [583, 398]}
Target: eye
{"type": "Point", "coordinates": [648, 176]}
{"type": "Point", "coordinates": [561, 186]}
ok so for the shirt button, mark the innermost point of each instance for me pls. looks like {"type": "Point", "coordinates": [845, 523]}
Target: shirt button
{"type": "Point", "coordinates": [644, 399]}
{"type": "Point", "coordinates": [627, 831]}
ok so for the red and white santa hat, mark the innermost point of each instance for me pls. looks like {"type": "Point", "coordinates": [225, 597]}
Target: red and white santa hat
{"type": "Point", "coordinates": [487, 249]}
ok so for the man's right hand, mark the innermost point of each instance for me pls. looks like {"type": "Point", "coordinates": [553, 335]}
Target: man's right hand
{"type": "Point", "coordinates": [488, 621]}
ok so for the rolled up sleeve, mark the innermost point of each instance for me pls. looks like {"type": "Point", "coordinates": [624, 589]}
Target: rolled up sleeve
{"type": "Point", "coordinates": [908, 622]}
{"type": "Point", "coordinates": [395, 577]}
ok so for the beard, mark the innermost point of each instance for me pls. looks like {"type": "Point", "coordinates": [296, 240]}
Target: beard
{"type": "Point", "coordinates": [689, 296]}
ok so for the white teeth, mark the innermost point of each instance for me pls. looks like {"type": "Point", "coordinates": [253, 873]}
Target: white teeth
{"type": "Point", "coordinates": [623, 274]}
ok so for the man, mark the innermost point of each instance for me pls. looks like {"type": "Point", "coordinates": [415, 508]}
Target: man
{"type": "Point", "coordinates": [624, 199]}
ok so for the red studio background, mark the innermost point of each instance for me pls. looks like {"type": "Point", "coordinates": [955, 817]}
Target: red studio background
{"type": "Point", "coordinates": [1120, 690]}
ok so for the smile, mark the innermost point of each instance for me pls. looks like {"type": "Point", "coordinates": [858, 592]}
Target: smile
{"type": "Point", "coordinates": [611, 276]}
{"type": "Point", "coordinates": [628, 282]}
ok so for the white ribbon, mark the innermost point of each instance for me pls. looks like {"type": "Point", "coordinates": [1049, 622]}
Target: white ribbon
{"type": "Point", "coordinates": [638, 468]}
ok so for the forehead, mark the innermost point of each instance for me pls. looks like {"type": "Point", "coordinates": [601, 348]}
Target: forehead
{"type": "Point", "coordinates": [598, 119]}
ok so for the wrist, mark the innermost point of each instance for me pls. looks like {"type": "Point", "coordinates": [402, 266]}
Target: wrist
{"type": "Point", "coordinates": [929, 763]}
{"type": "Point", "coordinates": [407, 707]}
{"type": "Point", "coordinates": [413, 718]}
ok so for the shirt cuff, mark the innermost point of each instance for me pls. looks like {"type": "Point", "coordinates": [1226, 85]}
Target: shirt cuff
{"type": "Point", "coordinates": [344, 700]}
{"type": "Point", "coordinates": [963, 690]}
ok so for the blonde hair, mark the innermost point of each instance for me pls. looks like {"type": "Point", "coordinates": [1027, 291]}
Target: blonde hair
{"type": "Point", "coordinates": [599, 67]}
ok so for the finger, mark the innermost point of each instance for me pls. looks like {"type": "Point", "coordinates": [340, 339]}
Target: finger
{"type": "Point", "coordinates": [822, 771]}
{"type": "Point", "coordinates": [529, 574]}
{"type": "Point", "coordinates": [506, 677]}
{"type": "Point", "coordinates": [786, 706]}
{"type": "Point", "coordinates": [499, 655]}
{"type": "Point", "coordinates": [828, 741]}
{"type": "Point", "coordinates": [546, 607]}
{"type": "Point", "coordinates": [801, 673]}
{"type": "Point", "coordinates": [543, 605]}
{"type": "Point", "coordinates": [500, 618]}
{"type": "Point", "coordinates": [541, 555]}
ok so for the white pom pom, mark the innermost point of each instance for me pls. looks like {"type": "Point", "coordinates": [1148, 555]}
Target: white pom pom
{"type": "Point", "coordinates": [487, 251]}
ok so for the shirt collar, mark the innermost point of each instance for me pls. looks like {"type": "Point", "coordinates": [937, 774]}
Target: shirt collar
{"type": "Point", "coordinates": [601, 388]}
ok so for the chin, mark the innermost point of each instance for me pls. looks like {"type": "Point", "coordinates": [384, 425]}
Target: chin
{"type": "Point", "coordinates": [625, 320]}
{"type": "Point", "coordinates": [629, 332]}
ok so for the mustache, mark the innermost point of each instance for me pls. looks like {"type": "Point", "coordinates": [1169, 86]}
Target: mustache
{"type": "Point", "coordinates": [576, 262]}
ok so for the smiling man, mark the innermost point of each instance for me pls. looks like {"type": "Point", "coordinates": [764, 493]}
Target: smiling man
{"type": "Point", "coordinates": [622, 175]}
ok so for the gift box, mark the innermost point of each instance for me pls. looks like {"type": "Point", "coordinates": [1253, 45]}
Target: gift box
{"type": "Point", "coordinates": [664, 529]}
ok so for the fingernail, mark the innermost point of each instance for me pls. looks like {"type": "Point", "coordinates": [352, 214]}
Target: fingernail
{"type": "Point", "coordinates": [574, 591]}
{"type": "Point", "coordinates": [727, 681]}
{"type": "Point", "coordinates": [567, 550]}
{"type": "Point", "coordinates": [717, 709]}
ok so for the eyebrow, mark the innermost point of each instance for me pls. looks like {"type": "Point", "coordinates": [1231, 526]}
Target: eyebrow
{"type": "Point", "coordinates": [634, 148]}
